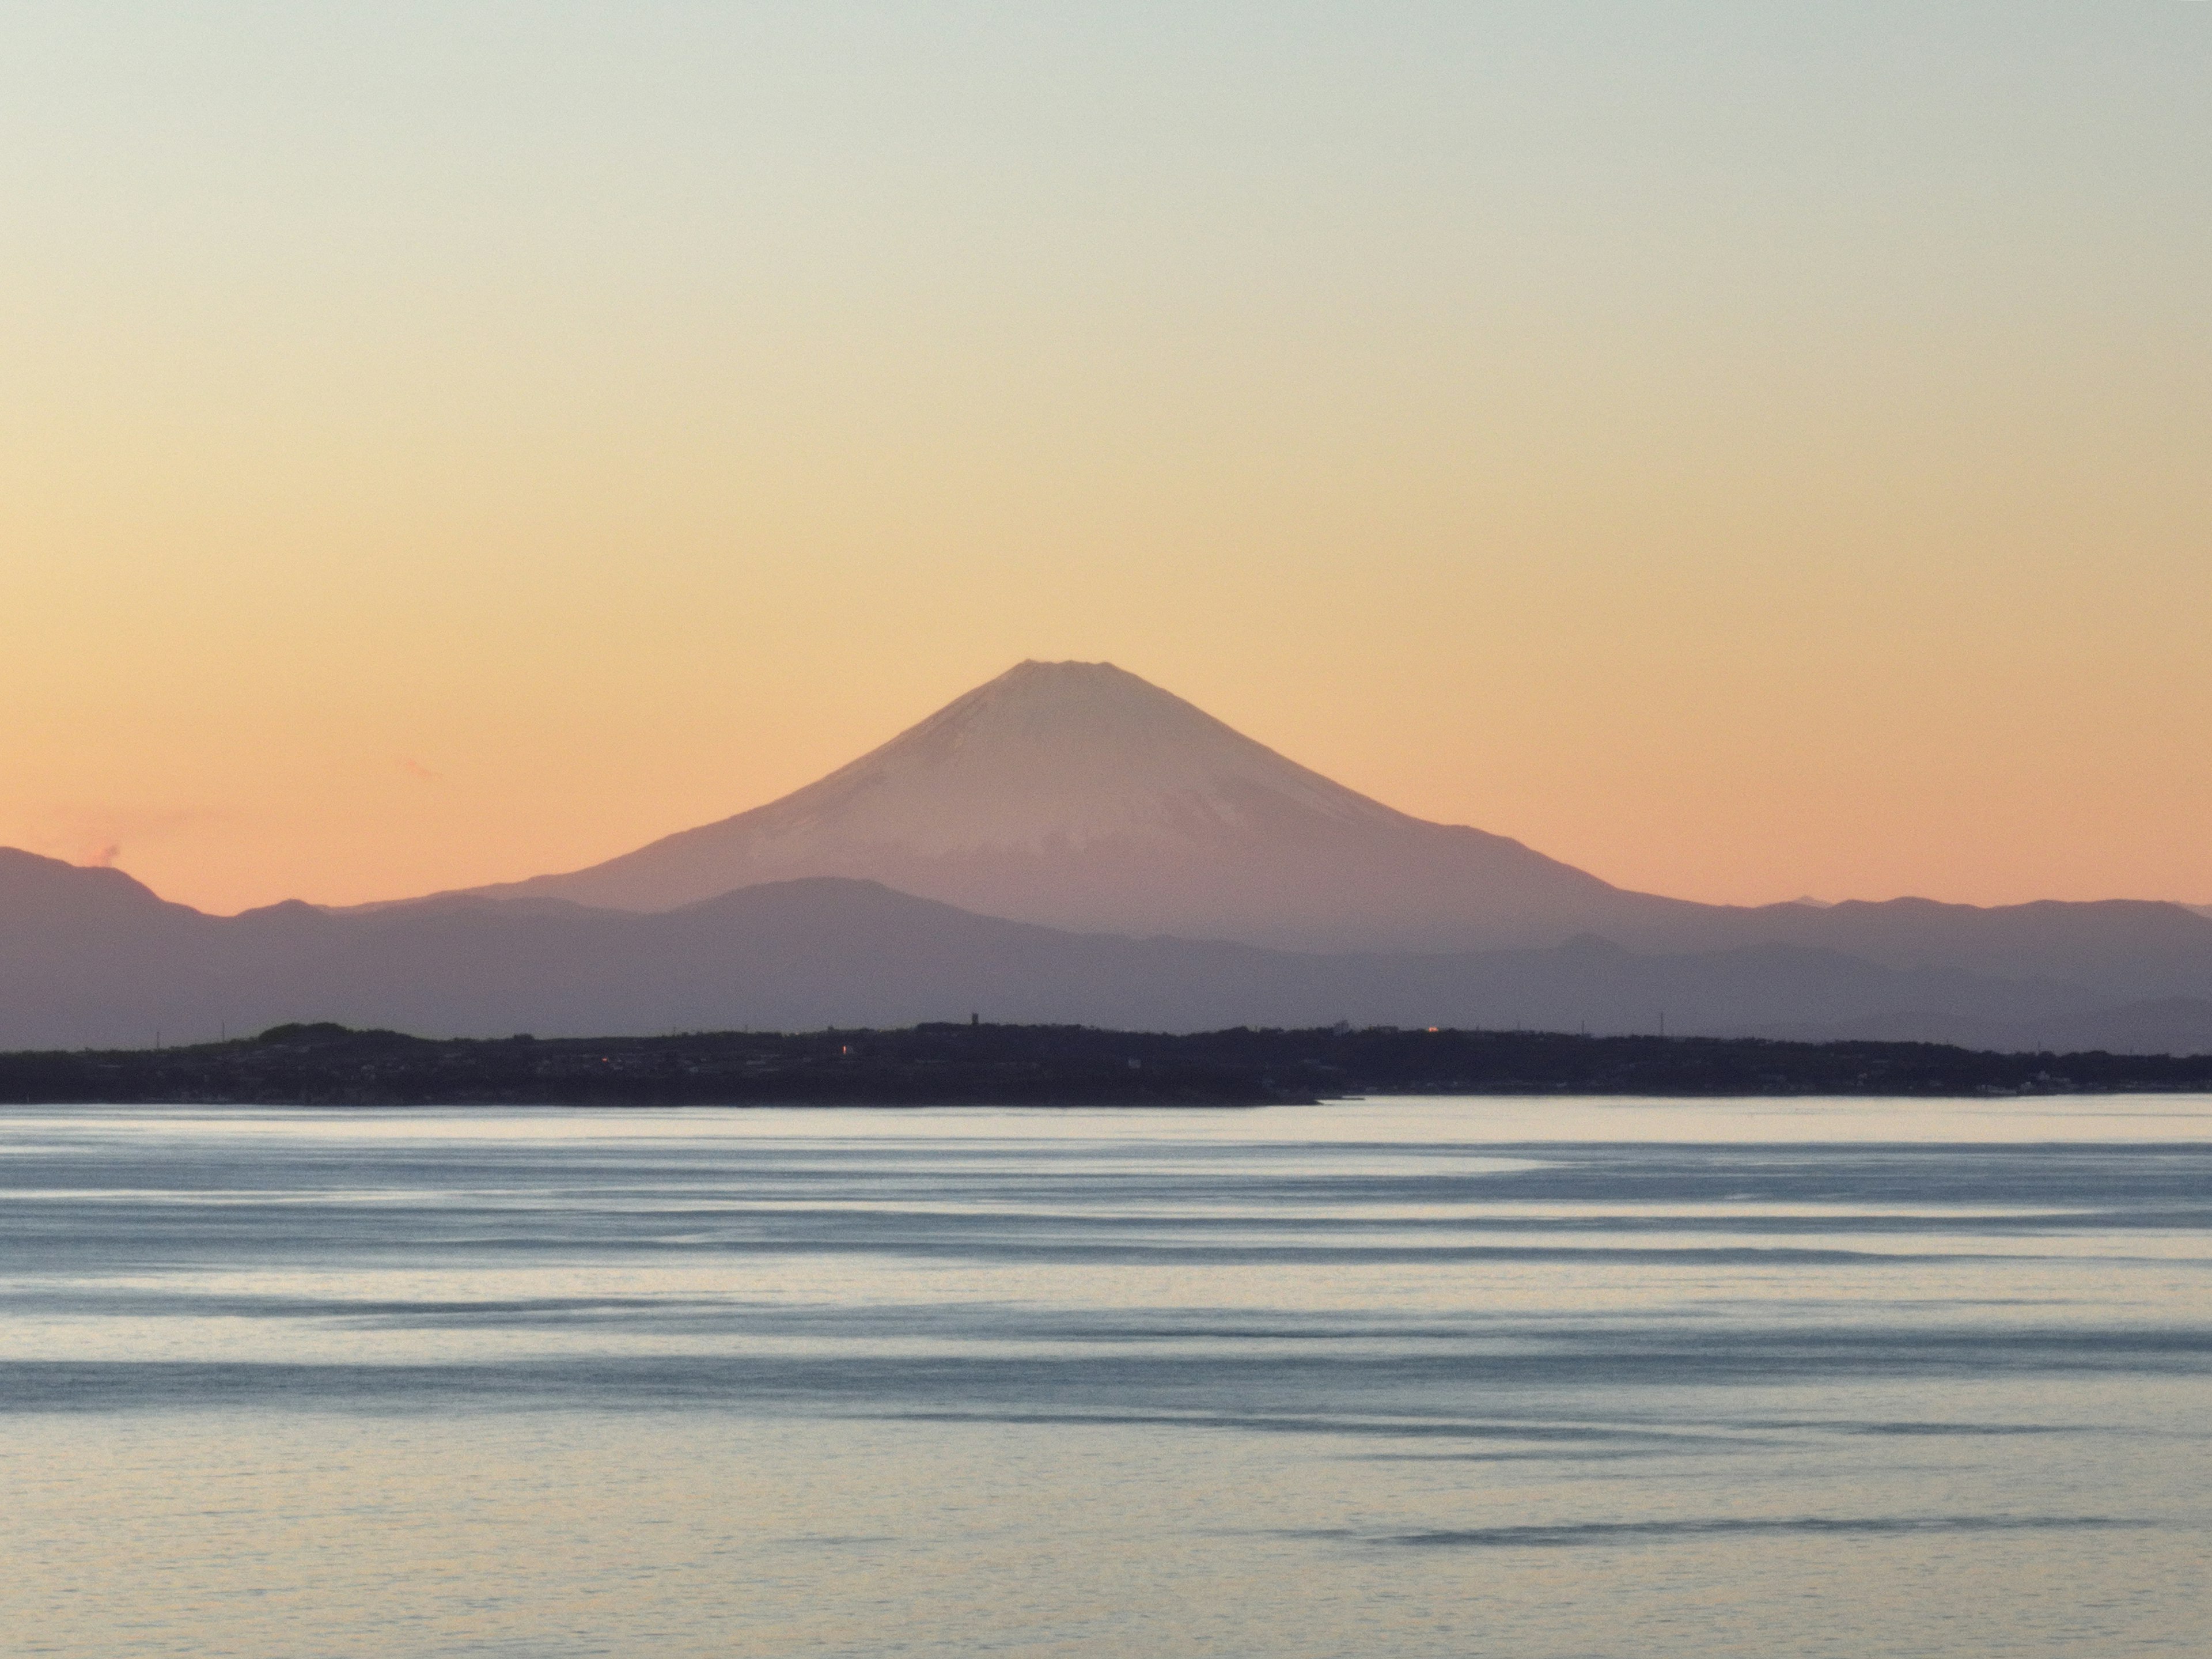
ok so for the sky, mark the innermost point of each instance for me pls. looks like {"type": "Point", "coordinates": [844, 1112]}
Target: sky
{"type": "Point", "coordinates": [1744, 450]}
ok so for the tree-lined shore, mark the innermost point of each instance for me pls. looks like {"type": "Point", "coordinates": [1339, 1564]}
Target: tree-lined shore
{"type": "Point", "coordinates": [1038, 1065]}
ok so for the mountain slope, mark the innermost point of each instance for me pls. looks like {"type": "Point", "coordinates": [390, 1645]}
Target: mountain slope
{"type": "Point", "coordinates": [1079, 796]}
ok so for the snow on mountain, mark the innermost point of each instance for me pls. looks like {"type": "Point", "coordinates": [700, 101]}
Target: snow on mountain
{"type": "Point", "coordinates": [1061, 754]}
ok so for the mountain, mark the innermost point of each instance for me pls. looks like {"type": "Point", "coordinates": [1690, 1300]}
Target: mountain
{"type": "Point", "coordinates": [1070, 843]}
{"type": "Point", "coordinates": [1078, 796]}
{"type": "Point", "coordinates": [2119, 948]}
{"type": "Point", "coordinates": [110, 964]}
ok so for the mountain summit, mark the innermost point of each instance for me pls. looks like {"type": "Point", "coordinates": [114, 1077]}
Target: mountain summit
{"type": "Point", "coordinates": [1078, 795]}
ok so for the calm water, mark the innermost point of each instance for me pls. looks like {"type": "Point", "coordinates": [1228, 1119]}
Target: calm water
{"type": "Point", "coordinates": [1434, 1377]}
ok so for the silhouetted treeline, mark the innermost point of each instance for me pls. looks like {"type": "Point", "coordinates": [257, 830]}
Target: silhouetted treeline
{"type": "Point", "coordinates": [1038, 1065]}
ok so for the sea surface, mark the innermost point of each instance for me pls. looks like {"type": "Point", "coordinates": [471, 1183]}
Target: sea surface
{"type": "Point", "coordinates": [1518, 1377]}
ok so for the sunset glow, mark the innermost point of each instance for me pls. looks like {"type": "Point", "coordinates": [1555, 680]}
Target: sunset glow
{"type": "Point", "coordinates": [1740, 451]}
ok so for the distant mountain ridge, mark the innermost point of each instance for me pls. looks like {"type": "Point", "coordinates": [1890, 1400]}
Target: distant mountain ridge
{"type": "Point", "coordinates": [1068, 842]}
{"type": "Point", "coordinates": [825, 950]}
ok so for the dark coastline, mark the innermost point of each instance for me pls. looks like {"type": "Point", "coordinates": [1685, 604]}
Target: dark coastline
{"type": "Point", "coordinates": [1039, 1064]}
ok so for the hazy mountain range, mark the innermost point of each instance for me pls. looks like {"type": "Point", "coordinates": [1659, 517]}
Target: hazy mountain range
{"type": "Point", "coordinates": [1071, 843]}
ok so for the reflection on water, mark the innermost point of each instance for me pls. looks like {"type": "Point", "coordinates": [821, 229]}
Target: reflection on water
{"type": "Point", "coordinates": [1398, 1377]}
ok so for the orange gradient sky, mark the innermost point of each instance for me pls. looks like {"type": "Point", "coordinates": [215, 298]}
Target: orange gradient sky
{"type": "Point", "coordinates": [1744, 451]}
